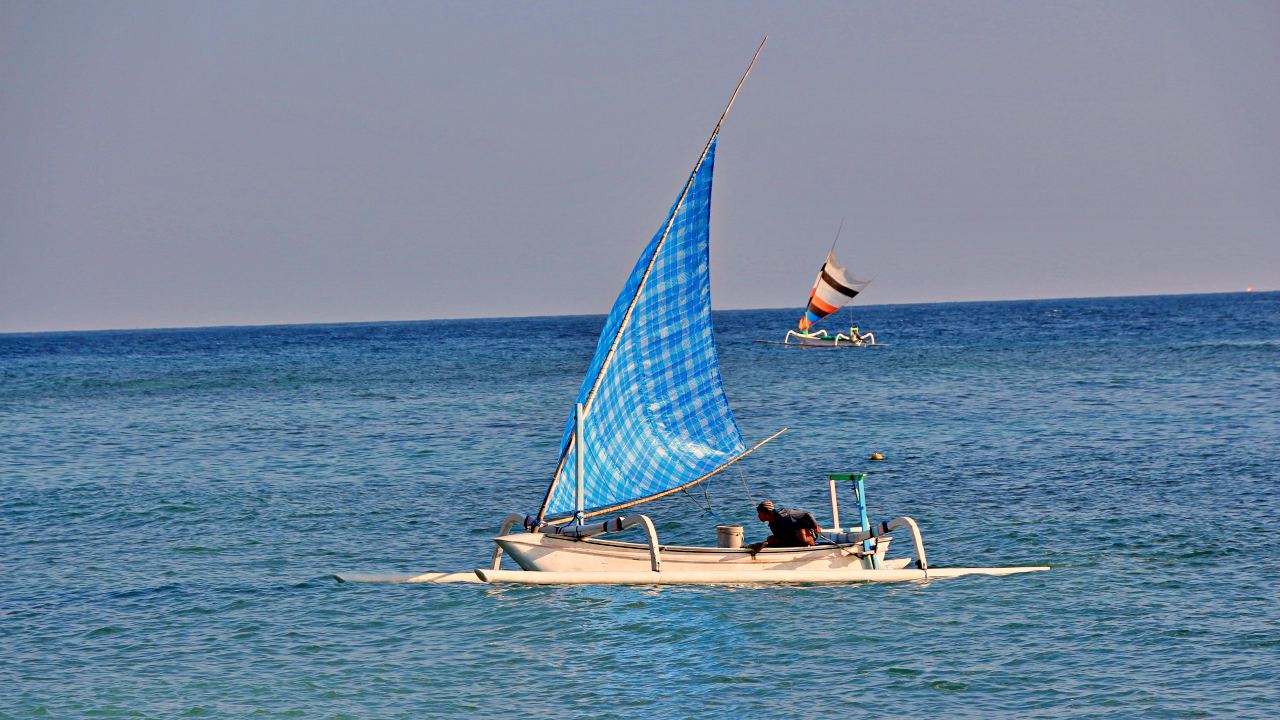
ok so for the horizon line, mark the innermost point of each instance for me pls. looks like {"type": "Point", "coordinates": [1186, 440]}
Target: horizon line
{"type": "Point", "coordinates": [321, 323]}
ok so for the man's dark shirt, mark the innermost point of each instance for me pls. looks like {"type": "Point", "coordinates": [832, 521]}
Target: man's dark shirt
{"type": "Point", "coordinates": [786, 525]}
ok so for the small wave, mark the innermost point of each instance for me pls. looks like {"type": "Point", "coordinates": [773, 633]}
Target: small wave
{"type": "Point", "coordinates": [948, 685]}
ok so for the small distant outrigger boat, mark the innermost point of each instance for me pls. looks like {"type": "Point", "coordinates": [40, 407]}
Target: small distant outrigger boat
{"type": "Point", "coordinates": [832, 289]}
{"type": "Point", "coordinates": [651, 419]}
{"type": "Point", "coordinates": [821, 338]}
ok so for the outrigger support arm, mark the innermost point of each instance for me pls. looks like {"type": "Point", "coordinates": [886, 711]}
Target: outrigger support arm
{"type": "Point", "coordinates": [884, 527]}
{"type": "Point", "coordinates": [507, 523]}
{"type": "Point", "coordinates": [617, 524]}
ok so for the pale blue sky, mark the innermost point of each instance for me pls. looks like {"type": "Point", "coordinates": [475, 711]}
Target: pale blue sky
{"type": "Point", "coordinates": [180, 164]}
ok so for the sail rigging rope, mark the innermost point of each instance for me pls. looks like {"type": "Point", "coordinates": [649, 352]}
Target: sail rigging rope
{"type": "Point", "coordinates": [705, 510]}
{"type": "Point", "coordinates": [746, 487]}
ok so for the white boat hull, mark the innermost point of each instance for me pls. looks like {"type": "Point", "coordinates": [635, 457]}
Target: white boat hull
{"type": "Point", "coordinates": [541, 552]}
{"type": "Point", "coordinates": [558, 560]}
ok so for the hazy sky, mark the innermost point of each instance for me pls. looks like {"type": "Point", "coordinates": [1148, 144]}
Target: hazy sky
{"type": "Point", "coordinates": [181, 164]}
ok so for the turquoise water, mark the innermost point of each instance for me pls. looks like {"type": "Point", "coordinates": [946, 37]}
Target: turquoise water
{"type": "Point", "coordinates": [175, 501]}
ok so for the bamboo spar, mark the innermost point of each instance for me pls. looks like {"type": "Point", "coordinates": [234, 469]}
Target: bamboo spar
{"type": "Point", "coordinates": [579, 497]}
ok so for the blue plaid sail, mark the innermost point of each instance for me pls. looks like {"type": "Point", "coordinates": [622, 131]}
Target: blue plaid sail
{"type": "Point", "coordinates": [658, 419]}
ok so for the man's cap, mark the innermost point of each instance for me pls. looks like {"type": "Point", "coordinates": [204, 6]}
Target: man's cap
{"type": "Point", "coordinates": [765, 506]}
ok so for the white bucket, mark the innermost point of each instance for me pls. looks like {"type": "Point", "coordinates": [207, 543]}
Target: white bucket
{"type": "Point", "coordinates": [729, 536]}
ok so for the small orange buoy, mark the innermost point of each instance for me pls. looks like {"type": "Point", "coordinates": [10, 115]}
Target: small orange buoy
{"type": "Point", "coordinates": [877, 457]}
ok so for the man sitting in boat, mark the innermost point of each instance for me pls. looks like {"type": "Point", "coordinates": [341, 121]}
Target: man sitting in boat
{"type": "Point", "coordinates": [790, 528]}
{"type": "Point", "coordinates": [861, 338]}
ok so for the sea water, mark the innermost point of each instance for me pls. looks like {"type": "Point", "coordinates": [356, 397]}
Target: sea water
{"type": "Point", "coordinates": [174, 502]}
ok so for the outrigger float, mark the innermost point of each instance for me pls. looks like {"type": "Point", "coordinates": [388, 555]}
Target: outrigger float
{"type": "Point", "coordinates": [651, 419]}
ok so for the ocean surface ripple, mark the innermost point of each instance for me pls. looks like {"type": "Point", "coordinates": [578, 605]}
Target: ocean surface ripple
{"type": "Point", "coordinates": [175, 501]}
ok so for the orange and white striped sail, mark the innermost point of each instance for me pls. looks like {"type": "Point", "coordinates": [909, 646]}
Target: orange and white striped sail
{"type": "Point", "coordinates": [833, 289]}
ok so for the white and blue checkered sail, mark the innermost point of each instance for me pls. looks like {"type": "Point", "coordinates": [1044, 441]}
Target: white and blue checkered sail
{"type": "Point", "coordinates": [656, 414]}
{"type": "Point", "coordinates": [656, 417]}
